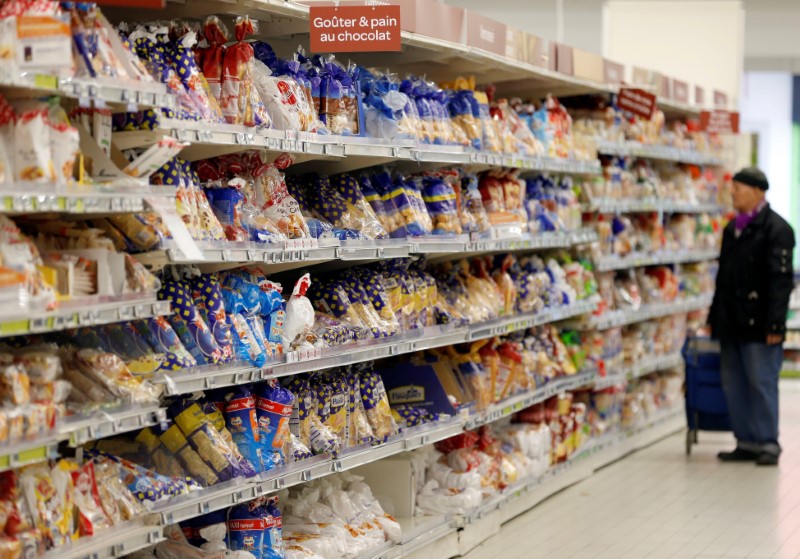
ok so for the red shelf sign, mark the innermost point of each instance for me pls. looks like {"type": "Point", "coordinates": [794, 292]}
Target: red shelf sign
{"type": "Point", "coordinates": [719, 122]}
{"type": "Point", "coordinates": [355, 28]}
{"type": "Point", "coordinates": [636, 101]}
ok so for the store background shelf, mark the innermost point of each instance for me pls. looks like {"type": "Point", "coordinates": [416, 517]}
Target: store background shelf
{"type": "Point", "coordinates": [648, 311]}
{"type": "Point", "coordinates": [636, 259]}
{"type": "Point", "coordinates": [633, 205]}
{"type": "Point", "coordinates": [649, 364]}
{"type": "Point", "coordinates": [665, 153]}
{"type": "Point", "coordinates": [90, 311]}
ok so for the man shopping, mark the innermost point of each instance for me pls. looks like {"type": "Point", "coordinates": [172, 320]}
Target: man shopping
{"type": "Point", "coordinates": [748, 317]}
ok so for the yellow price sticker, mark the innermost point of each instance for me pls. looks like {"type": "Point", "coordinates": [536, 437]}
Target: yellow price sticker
{"type": "Point", "coordinates": [14, 327]}
{"type": "Point", "coordinates": [45, 82]}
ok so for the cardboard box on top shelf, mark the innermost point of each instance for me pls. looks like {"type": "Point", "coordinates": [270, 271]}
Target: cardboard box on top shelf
{"type": "Point", "coordinates": [680, 91]}
{"type": "Point", "coordinates": [432, 18]}
{"type": "Point", "coordinates": [653, 82]}
{"type": "Point", "coordinates": [613, 72]}
{"type": "Point", "coordinates": [699, 96]}
{"type": "Point", "coordinates": [516, 47]}
{"type": "Point", "coordinates": [560, 58]}
{"type": "Point", "coordinates": [394, 483]}
{"type": "Point", "coordinates": [720, 99]}
{"type": "Point", "coordinates": [587, 65]}
{"type": "Point", "coordinates": [663, 86]}
{"type": "Point", "coordinates": [537, 51]}
{"type": "Point", "coordinates": [485, 33]}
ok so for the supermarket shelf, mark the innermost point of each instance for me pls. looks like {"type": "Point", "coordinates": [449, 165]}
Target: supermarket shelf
{"type": "Point", "coordinates": [633, 205]}
{"type": "Point", "coordinates": [343, 153]}
{"type": "Point", "coordinates": [293, 363]}
{"type": "Point", "coordinates": [100, 92]}
{"type": "Point", "coordinates": [128, 196]}
{"type": "Point", "coordinates": [90, 311]}
{"type": "Point", "coordinates": [514, 404]}
{"type": "Point", "coordinates": [78, 429]}
{"type": "Point", "coordinates": [115, 542]}
{"type": "Point", "coordinates": [615, 319]}
{"type": "Point", "coordinates": [644, 367]}
{"type": "Point", "coordinates": [637, 259]}
{"type": "Point", "coordinates": [791, 346]}
{"type": "Point", "coordinates": [665, 153]}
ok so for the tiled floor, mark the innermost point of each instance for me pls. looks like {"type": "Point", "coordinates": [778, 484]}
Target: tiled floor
{"type": "Point", "coordinates": [658, 503]}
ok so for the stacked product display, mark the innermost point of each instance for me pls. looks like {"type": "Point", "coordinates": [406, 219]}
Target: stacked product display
{"type": "Point", "coordinates": [261, 304]}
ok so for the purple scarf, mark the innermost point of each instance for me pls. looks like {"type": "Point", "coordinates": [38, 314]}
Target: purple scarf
{"type": "Point", "coordinates": [744, 219]}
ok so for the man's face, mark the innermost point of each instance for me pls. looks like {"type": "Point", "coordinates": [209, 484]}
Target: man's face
{"type": "Point", "coordinates": [745, 197]}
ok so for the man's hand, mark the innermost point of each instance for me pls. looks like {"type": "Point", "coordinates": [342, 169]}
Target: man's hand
{"type": "Point", "coordinates": [773, 339]}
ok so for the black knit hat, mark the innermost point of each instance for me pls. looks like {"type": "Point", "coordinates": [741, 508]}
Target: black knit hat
{"type": "Point", "coordinates": [752, 176]}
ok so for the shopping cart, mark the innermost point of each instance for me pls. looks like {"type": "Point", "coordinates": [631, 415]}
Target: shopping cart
{"type": "Point", "coordinates": [706, 409]}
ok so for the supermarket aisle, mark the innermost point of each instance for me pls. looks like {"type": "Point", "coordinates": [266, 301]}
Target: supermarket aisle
{"type": "Point", "coordinates": [658, 504]}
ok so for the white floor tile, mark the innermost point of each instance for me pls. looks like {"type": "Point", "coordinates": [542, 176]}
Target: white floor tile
{"type": "Point", "coordinates": [658, 503]}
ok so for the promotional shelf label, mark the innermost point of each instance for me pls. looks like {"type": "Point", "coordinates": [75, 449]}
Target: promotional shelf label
{"type": "Point", "coordinates": [636, 101]}
{"type": "Point", "coordinates": [719, 122]}
{"type": "Point", "coordinates": [355, 28]}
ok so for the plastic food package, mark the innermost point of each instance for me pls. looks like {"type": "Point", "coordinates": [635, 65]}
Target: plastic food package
{"type": "Point", "coordinates": [299, 314]}
{"type": "Point", "coordinates": [179, 294]}
{"type": "Point", "coordinates": [241, 421]}
{"type": "Point", "coordinates": [376, 405]}
{"type": "Point", "coordinates": [239, 100]}
{"type": "Point", "coordinates": [204, 438]}
{"type": "Point", "coordinates": [274, 411]}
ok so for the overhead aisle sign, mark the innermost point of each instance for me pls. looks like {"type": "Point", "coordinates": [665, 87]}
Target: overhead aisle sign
{"type": "Point", "coordinates": [355, 28]}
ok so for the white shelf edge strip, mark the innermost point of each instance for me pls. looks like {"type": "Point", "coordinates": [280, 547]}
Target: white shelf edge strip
{"type": "Point", "coordinates": [622, 205]}
{"type": "Point", "coordinates": [650, 151]}
{"type": "Point", "coordinates": [637, 260]}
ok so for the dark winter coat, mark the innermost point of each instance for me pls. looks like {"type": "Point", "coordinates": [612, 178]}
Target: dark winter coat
{"type": "Point", "coordinates": [755, 280]}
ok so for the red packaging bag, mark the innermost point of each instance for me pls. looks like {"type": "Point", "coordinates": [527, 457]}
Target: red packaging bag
{"type": "Point", "coordinates": [213, 55]}
{"type": "Point", "coordinates": [239, 99]}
